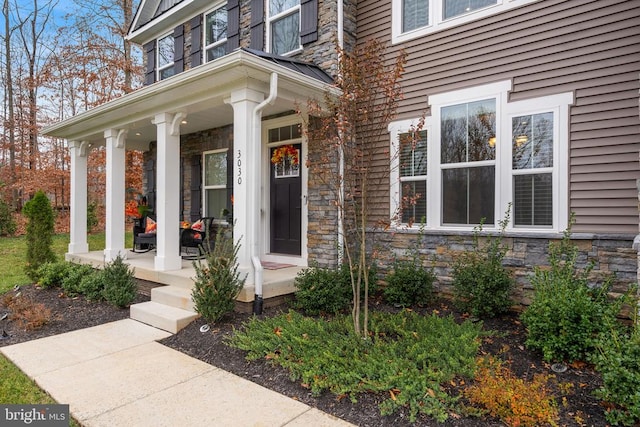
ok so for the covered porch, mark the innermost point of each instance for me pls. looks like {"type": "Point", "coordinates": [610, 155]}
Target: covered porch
{"type": "Point", "coordinates": [241, 91]}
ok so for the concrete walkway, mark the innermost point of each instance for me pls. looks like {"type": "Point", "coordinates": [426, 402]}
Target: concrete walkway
{"type": "Point", "coordinates": [116, 374]}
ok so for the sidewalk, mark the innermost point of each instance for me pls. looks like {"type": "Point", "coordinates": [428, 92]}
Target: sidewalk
{"type": "Point", "coordinates": [116, 374]}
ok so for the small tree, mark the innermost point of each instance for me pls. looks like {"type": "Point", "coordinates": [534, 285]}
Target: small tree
{"type": "Point", "coordinates": [7, 224]}
{"type": "Point", "coordinates": [39, 233]}
{"type": "Point", "coordinates": [368, 94]}
{"type": "Point", "coordinates": [218, 281]}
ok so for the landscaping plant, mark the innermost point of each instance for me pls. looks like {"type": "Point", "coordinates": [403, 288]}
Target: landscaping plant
{"type": "Point", "coordinates": [322, 290]}
{"type": "Point", "coordinates": [567, 312]}
{"type": "Point", "coordinates": [75, 273]}
{"type": "Point", "coordinates": [39, 234]}
{"type": "Point", "coordinates": [516, 401]}
{"type": "Point", "coordinates": [51, 274]}
{"type": "Point", "coordinates": [481, 284]}
{"type": "Point", "coordinates": [7, 224]}
{"type": "Point", "coordinates": [409, 283]}
{"type": "Point", "coordinates": [617, 358]}
{"type": "Point", "coordinates": [120, 288]}
{"type": "Point", "coordinates": [217, 282]}
{"type": "Point", "coordinates": [407, 357]}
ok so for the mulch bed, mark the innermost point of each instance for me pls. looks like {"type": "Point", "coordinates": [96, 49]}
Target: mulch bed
{"type": "Point", "coordinates": [580, 409]}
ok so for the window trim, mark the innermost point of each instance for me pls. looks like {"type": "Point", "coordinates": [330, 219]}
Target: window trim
{"type": "Point", "coordinates": [269, 20]}
{"type": "Point", "coordinates": [206, 47]}
{"type": "Point", "coordinates": [160, 69]}
{"type": "Point", "coordinates": [558, 104]}
{"type": "Point", "coordinates": [437, 23]}
{"type": "Point", "coordinates": [205, 187]}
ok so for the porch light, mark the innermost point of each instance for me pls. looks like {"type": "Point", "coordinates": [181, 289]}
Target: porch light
{"type": "Point", "coordinates": [492, 141]}
{"type": "Point", "coordinates": [521, 139]}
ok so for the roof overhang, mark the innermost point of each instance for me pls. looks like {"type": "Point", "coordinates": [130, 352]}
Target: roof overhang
{"type": "Point", "coordinates": [200, 93]}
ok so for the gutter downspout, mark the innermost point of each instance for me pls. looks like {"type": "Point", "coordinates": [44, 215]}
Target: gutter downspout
{"type": "Point", "coordinates": [255, 247]}
{"type": "Point", "coordinates": [341, 157]}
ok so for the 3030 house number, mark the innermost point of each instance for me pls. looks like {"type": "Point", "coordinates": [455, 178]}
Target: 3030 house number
{"type": "Point", "coordinates": [239, 164]}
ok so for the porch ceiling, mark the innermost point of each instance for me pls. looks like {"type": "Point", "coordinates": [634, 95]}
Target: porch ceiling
{"type": "Point", "coordinates": [200, 93]}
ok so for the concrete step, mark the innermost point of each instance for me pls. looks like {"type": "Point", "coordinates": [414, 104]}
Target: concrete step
{"type": "Point", "coordinates": [161, 316]}
{"type": "Point", "coordinates": [173, 296]}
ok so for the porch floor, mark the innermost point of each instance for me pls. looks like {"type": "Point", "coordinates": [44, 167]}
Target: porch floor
{"type": "Point", "coordinates": [276, 282]}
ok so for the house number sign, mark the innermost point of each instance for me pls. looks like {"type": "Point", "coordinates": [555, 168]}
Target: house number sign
{"type": "Point", "coordinates": [239, 164]}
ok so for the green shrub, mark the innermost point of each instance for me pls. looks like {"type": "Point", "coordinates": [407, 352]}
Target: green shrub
{"type": "Point", "coordinates": [92, 285]}
{"type": "Point", "coordinates": [217, 282]}
{"type": "Point", "coordinates": [7, 224]}
{"type": "Point", "coordinates": [616, 358]}
{"type": "Point", "coordinates": [567, 313]}
{"type": "Point", "coordinates": [92, 216]}
{"type": "Point", "coordinates": [409, 283]}
{"type": "Point", "coordinates": [120, 288]}
{"type": "Point", "coordinates": [39, 234]}
{"type": "Point", "coordinates": [51, 274]}
{"type": "Point", "coordinates": [407, 358]}
{"type": "Point", "coordinates": [481, 284]}
{"type": "Point", "coordinates": [323, 290]}
{"type": "Point", "coordinates": [75, 273]}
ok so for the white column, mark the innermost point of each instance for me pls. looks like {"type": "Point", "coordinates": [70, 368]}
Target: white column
{"type": "Point", "coordinates": [246, 174]}
{"type": "Point", "coordinates": [168, 192]}
{"type": "Point", "coordinates": [114, 233]}
{"type": "Point", "coordinates": [78, 227]}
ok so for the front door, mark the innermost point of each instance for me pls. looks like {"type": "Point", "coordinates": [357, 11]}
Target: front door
{"type": "Point", "coordinates": [286, 203]}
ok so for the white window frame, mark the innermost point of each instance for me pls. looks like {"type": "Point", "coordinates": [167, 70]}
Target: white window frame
{"type": "Point", "coordinates": [159, 68]}
{"type": "Point", "coordinates": [271, 19]}
{"type": "Point", "coordinates": [557, 104]}
{"type": "Point", "coordinates": [205, 205]}
{"type": "Point", "coordinates": [436, 21]}
{"type": "Point", "coordinates": [213, 45]}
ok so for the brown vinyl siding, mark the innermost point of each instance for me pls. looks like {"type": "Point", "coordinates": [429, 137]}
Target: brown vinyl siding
{"type": "Point", "coordinates": [590, 48]}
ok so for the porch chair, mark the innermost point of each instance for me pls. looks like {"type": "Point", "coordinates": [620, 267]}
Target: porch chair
{"type": "Point", "coordinates": [144, 234]}
{"type": "Point", "coordinates": [197, 242]}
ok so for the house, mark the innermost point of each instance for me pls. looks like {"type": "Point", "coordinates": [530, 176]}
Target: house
{"type": "Point", "coordinates": [531, 104]}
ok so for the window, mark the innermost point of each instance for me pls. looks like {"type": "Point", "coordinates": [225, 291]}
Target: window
{"type": "Point", "coordinates": [484, 154]}
{"type": "Point", "coordinates": [468, 154]}
{"type": "Point", "coordinates": [215, 183]}
{"type": "Point", "coordinates": [284, 26]}
{"type": "Point", "coordinates": [416, 18]}
{"type": "Point", "coordinates": [413, 176]}
{"type": "Point", "coordinates": [215, 34]}
{"type": "Point", "coordinates": [532, 153]}
{"type": "Point", "coordinates": [453, 8]}
{"type": "Point", "coordinates": [166, 51]}
{"type": "Point", "coordinates": [415, 14]}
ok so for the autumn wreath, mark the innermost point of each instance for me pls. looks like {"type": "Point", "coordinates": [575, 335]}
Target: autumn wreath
{"type": "Point", "coordinates": [288, 152]}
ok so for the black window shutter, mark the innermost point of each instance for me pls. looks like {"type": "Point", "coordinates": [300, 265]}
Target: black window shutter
{"type": "Point", "coordinates": [150, 171]}
{"type": "Point", "coordinates": [150, 72]}
{"type": "Point", "coordinates": [196, 41]}
{"type": "Point", "coordinates": [309, 23]}
{"type": "Point", "coordinates": [196, 187]}
{"type": "Point", "coordinates": [257, 24]}
{"type": "Point", "coordinates": [178, 53]}
{"type": "Point", "coordinates": [233, 25]}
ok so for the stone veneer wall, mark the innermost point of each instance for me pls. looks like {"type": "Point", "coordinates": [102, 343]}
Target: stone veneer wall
{"type": "Point", "coordinates": [190, 145]}
{"type": "Point", "coordinates": [322, 243]}
{"type": "Point", "coordinates": [611, 254]}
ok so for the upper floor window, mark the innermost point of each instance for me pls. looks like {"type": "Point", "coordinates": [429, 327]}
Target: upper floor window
{"type": "Point", "coordinates": [480, 154]}
{"type": "Point", "coordinates": [284, 26]}
{"type": "Point", "coordinates": [415, 18]}
{"type": "Point", "coordinates": [215, 34]}
{"type": "Point", "coordinates": [415, 14]}
{"type": "Point", "coordinates": [166, 52]}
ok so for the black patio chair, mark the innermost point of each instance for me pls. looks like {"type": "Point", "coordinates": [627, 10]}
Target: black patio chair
{"type": "Point", "coordinates": [143, 241]}
{"type": "Point", "coordinates": [197, 243]}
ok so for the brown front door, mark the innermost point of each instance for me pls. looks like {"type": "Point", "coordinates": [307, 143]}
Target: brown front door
{"type": "Point", "coordinates": [286, 200]}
